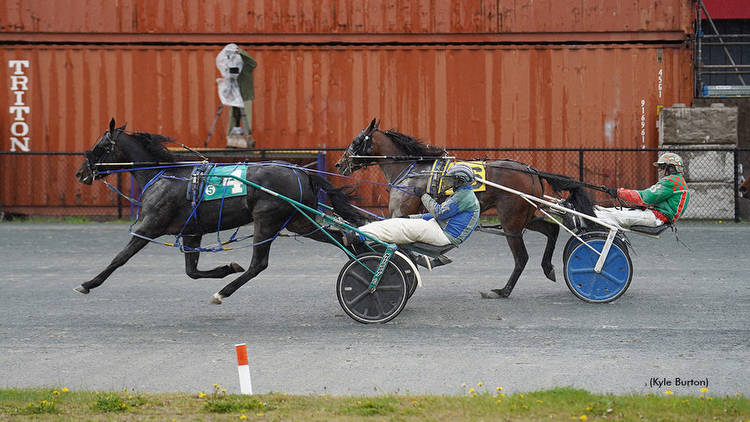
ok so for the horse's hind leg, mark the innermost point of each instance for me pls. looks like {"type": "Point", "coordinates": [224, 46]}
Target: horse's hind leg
{"type": "Point", "coordinates": [258, 263]}
{"type": "Point", "coordinates": [135, 245]}
{"type": "Point", "coordinates": [191, 262]}
{"type": "Point", "coordinates": [551, 231]}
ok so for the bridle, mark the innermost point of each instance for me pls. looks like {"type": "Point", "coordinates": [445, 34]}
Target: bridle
{"type": "Point", "coordinates": [109, 143]}
{"type": "Point", "coordinates": [358, 152]}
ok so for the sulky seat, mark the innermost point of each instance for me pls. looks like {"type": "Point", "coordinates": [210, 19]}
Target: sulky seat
{"type": "Point", "coordinates": [429, 249]}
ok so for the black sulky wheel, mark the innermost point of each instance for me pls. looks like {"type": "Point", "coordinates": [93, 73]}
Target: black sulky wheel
{"type": "Point", "coordinates": [579, 262]}
{"type": "Point", "coordinates": [380, 306]}
{"type": "Point", "coordinates": [407, 266]}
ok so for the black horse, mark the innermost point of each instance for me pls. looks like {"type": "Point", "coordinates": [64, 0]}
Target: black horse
{"type": "Point", "coordinates": [166, 209]}
{"type": "Point", "coordinates": [405, 161]}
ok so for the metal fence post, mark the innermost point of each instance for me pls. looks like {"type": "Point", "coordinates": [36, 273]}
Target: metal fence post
{"type": "Point", "coordinates": [736, 163]}
{"type": "Point", "coordinates": [322, 168]}
{"type": "Point", "coordinates": [580, 164]}
{"type": "Point", "coordinates": [119, 197]}
{"type": "Point", "coordinates": [132, 195]}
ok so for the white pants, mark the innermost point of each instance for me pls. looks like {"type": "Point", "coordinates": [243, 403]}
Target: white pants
{"type": "Point", "coordinates": [627, 217]}
{"type": "Point", "coordinates": [407, 230]}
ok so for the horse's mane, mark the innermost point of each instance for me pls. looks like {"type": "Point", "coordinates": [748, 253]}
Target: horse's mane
{"type": "Point", "coordinates": [154, 144]}
{"type": "Point", "coordinates": [413, 146]}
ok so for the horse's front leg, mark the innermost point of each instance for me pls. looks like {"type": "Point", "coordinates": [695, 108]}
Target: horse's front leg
{"type": "Point", "coordinates": [513, 228]}
{"type": "Point", "coordinates": [135, 245]}
{"type": "Point", "coordinates": [193, 242]}
{"type": "Point", "coordinates": [520, 258]}
{"type": "Point", "coordinates": [401, 203]}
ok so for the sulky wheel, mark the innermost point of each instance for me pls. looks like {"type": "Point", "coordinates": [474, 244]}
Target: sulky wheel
{"type": "Point", "coordinates": [406, 265]}
{"type": "Point", "coordinates": [409, 269]}
{"type": "Point", "coordinates": [579, 262]}
{"type": "Point", "coordinates": [572, 241]}
{"type": "Point", "coordinates": [380, 306]}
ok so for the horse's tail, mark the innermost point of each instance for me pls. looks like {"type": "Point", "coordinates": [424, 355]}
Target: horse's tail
{"type": "Point", "coordinates": [340, 199]}
{"type": "Point", "coordinates": [578, 198]}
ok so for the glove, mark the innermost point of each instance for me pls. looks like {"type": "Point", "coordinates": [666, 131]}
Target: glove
{"type": "Point", "coordinates": [611, 192]}
{"type": "Point", "coordinates": [419, 191]}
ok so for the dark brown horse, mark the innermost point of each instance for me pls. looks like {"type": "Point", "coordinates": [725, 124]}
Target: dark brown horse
{"type": "Point", "coordinates": [396, 153]}
{"type": "Point", "coordinates": [744, 188]}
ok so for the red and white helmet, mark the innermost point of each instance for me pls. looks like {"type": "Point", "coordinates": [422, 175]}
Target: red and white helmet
{"type": "Point", "coordinates": [670, 159]}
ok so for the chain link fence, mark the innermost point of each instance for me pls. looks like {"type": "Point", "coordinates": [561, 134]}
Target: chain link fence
{"type": "Point", "coordinates": [44, 183]}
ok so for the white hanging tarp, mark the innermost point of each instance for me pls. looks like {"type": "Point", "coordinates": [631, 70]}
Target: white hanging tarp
{"type": "Point", "coordinates": [229, 62]}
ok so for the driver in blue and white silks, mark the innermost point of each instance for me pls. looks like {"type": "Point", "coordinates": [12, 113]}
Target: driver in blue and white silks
{"type": "Point", "coordinates": [449, 222]}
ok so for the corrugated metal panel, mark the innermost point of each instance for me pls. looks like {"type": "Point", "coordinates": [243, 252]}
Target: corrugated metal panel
{"type": "Point", "coordinates": [462, 97]}
{"type": "Point", "coordinates": [728, 9]}
{"type": "Point", "coordinates": [489, 96]}
{"type": "Point", "coordinates": [588, 96]}
{"type": "Point", "coordinates": [44, 184]}
{"type": "Point", "coordinates": [343, 16]}
{"type": "Point", "coordinates": [73, 92]}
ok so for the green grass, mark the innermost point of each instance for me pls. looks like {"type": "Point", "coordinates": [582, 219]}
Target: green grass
{"type": "Point", "coordinates": [479, 403]}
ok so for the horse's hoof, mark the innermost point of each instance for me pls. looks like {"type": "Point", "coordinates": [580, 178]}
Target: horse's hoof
{"type": "Point", "coordinates": [237, 267]}
{"type": "Point", "coordinates": [81, 289]}
{"type": "Point", "coordinates": [490, 295]}
{"type": "Point", "coordinates": [495, 294]}
{"type": "Point", "coordinates": [216, 299]}
{"type": "Point", "coordinates": [502, 292]}
{"type": "Point", "coordinates": [551, 274]}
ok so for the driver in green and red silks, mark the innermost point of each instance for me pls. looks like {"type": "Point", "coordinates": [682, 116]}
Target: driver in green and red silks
{"type": "Point", "coordinates": [665, 201]}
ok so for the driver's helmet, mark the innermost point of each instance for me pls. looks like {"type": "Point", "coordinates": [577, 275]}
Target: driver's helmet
{"type": "Point", "coordinates": [461, 174]}
{"type": "Point", "coordinates": [670, 159]}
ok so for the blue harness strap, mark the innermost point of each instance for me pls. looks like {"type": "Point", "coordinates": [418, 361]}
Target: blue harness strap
{"type": "Point", "coordinates": [233, 237]}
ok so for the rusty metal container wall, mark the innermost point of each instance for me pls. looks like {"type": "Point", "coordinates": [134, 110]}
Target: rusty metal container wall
{"type": "Point", "coordinates": [75, 90]}
{"type": "Point", "coordinates": [343, 16]}
{"type": "Point", "coordinates": [46, 185]}
{"type": "Point", "coordinates": [469, 96]}
{"type": "Point", "coordinates": [314, 96]}
{"type": "Point", "coordinates": [459, 96]}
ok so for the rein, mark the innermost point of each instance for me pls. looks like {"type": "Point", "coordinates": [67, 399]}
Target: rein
{"type": "Point", "coordinates": [396, 158]}
{"type": "Point", "coordinates": [544, 174]}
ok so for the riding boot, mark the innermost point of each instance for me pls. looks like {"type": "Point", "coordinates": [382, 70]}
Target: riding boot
{"type": "Point", "coordinates": [352, 239]}
{"type": "Point", "coordinates": [440, 260]}
{"type": "Point", "coordinates": [430, 263]}
{"type": "Point", "coordinates": [569, 220]}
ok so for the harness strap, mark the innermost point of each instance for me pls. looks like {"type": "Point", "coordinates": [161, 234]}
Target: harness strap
{"type": "Point", "coordinates": [221, 244]}
{"type": "Point", "coordinates": [404, 174]}
{"type": "Point", "coordinates": [148, 185]}
{"type": "Point", "coordinates": [117, 191]}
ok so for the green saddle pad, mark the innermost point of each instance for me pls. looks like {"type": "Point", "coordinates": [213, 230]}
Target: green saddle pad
{"type": "Point", "coordinates": [219, 186]}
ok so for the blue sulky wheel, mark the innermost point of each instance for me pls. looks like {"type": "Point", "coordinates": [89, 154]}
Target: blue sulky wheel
{"type": "Point", "coordinates": [579, 262]}
{"type": "Point", "coordinates": [380, 306]}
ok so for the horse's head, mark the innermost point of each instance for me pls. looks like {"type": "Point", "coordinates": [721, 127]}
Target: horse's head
{"type": "Point", "coordinates": [104, 151]}
{"type": "Point", "coordinates": [361, 145]}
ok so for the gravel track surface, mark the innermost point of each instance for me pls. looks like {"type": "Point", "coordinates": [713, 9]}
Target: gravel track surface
{"type": "Point", "coordinates": [150, 327]}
